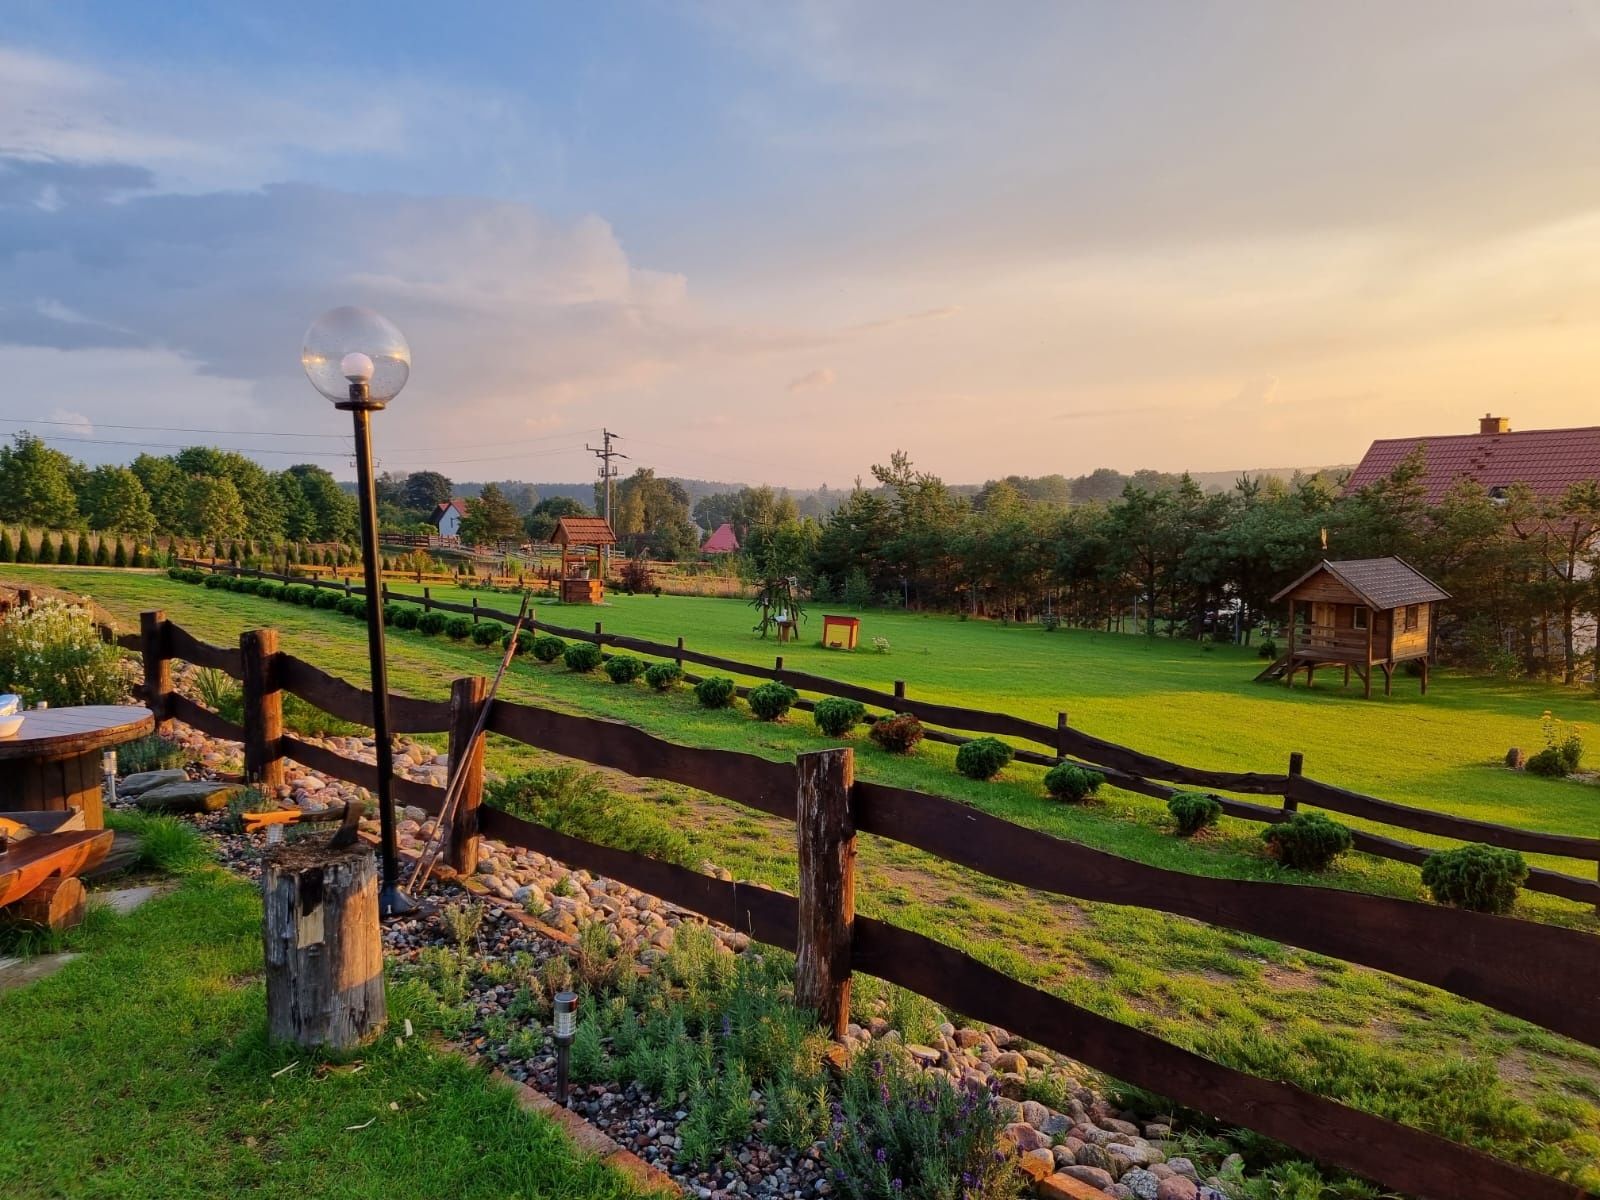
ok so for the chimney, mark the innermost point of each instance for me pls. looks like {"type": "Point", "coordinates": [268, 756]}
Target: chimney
{"type": "Point", "coordinates": [1488, 424]}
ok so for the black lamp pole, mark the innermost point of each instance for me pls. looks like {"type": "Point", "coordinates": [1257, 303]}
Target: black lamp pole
{"type": "Point", "coordinates": [392, 899]}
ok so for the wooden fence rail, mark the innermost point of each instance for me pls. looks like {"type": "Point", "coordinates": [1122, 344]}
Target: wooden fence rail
{"type": "Point", "coordinates": [1544, 974]}
{"type": "Point", "coordinates": [1124, 767]}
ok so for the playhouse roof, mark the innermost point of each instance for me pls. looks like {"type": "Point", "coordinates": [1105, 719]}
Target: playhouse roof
{"type": "Point", "coordinates": [1382, 583]}
{"type": "Point", "coordinates": [583, 531]}
{"type": "Point", "coordinates": [723, 541]}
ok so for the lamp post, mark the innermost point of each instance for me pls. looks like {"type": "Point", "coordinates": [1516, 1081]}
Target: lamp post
{"type": "Point", "coordinates": [565, 1009]}
{"type": "Point", "coordinates": [360, 361]}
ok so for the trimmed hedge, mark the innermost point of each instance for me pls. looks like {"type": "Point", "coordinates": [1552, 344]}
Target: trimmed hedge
{"type": "Point", "coordinates": [983, 758]}
{"type": "Point", "coordinates": [836, 717]}
{"type": "Point", "coordinates": [624, 668]}
{"type": "Point", "coordinates": [717, 691]}
{"type": "Point", "coordinates": [1477, 877]}
{"type": "Point", "coordinates": [898, 734]}
{"type": "Point", "coordinates": [1193, 811]}
{"type": "Point", "coordinates": [431, 623]}
{"type": "Point", "coordinates": [1070, 782]}
{"type": "Point", "coordinates": [459, 629]}
{"type": "Point", "coordinates": [547, 647]}
{"type": "Point", "coordinates": [663, 676]}
{"type": "Point", "coordinates": [582, 657]}
{"type": "Point", "coordinates": [406, 617]}
{"type": "Point", "coordinates": [327, 599]}
{"type": "Point", "coordinates": [487, 633]}
{"type": "Point", "coordinates": [1307, 841]}
{"type": "Point", "coordinates": [524, 641]}
{"type": "Point", "coordinates": [770, 701]}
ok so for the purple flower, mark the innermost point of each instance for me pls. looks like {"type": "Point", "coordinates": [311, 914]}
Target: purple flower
{"type": "Point", "coordinates": [881, 1154]}
{"type": "Point", "coordinates": [883, 1092]}
{"type": "Point", "coordinates": [895, 1185]}
{"type": "Point", "coordinates": [727, 1025]}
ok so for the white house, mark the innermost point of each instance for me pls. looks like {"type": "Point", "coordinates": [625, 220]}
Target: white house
{"type": "Point", "coordinates": [446, 519]}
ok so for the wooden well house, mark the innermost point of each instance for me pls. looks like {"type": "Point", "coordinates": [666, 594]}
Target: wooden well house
{"type": "Point", "coordinates": [1360, 613]}
{"type": "Point", "coordinates": [582, 540]}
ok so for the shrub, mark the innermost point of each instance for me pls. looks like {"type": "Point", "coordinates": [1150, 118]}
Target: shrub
{"type": "Point", "coordinates": [624, 668]}
{"type": "Point", "coordinates": [272, 591]}
{"type": "Point", "coordinates": [983, 758]}
{"type": "Point", "coordinates": [524, 641]}
{"type": "Point", "coordinates": [25, 547]}
{"type": "Point", "coordinates": [391, 613]}
{"type": "Point", "coordinates": [405, 617]}
{"type": "Point", "coordinates": [1571, 752]}
{"type": "Point", "coordinates": [1193, 812]}
{"type": "Point", "coordinates": [344, 604]}
{"type": "Point", "coordinates": [486, 633]}
{"type": "Point", "coordinates": [1548, 762]}
{"type": "Point", "coordinates": [898, 734]}
{"type": "Point", "coordinates": [357, 609]}
{"type": "Point", "coordinates": [102, 556]}
{"type": "Point", "coordinates": [582, 656]}
{"type": "Point", "coordinates": [459, 629]}
{"type": "Point", "coordinates": [328, 599]}
{"type": "Point", "coordinates": [837, 717]}
{"type": "Point", "coordinates": [53, 652]}
{"type": "Point", "coordinates": [214, 581]}
{"type": "Point", "coordinates": [302, 594]}
{"type": "Point", "coordinates": [663, 676]}
{"type": "Point", "coordinates": [1307, 841]}
{"type": "Point", "coordinates": [1477, 877]}
{"type": "Point", "coordinates": [153, 752]}
{"type": "Point", "coordinates": [714, 692]}
{"type": "Point", "coordinates": [1068, 781]}
{"type": "Point", "coordinates": [548, 648]}
{"type": "Point", "coordinates": [432, 623]}
{"type": "Point", "coordinates": [1267, 649]}
{"type": "Point", "coordinates": [770, 701]}
{"type": "Point", "coordinates": [576, 802]}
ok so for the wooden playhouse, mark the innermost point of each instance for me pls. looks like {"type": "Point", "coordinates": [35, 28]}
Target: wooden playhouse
{"type": "Point", "coordinates": [1360, 613]}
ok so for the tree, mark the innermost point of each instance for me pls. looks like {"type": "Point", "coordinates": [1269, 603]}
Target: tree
{"type": "Point", "coordinates": [540, 524]}
{"type": "Point", "coordinates": [652, 513]}
{"type": "Point", "coordinates": [426, 490]}
{"type": "Point", "coordinates": [67, 554]}
{"type": "Point", "coordinates": [165, 486]}
{"type": "Point", "coordinates": [489, 517]}
{"type": "Point", "coordinates": [263, 507]}
{"type": "Point", "coordinates": [120, 558]}
{"type": "Point", "coordinates": [37, 484]}
{"type": "Point", "coordinates": [212, 509]}
{"type": "Point", "coordinates": [332, 514]}
{"type": "Point", "coordinates": [115, 501]}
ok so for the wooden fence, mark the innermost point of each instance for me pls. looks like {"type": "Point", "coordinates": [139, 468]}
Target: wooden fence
{"type": "Point", "coordinates": [1540, 973]}
{"type": "Point", "coordinates": [1122, 766]}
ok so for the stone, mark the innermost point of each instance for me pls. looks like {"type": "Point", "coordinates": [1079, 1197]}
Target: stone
{"type": "Point", "coordinates": [967, 1039]}
{"type": "Point", "coordinates": [1026, 1137]}
{"type": "Point", "coordinates": [1061, 1186]}
{"type": "Point", "coordinates": [1056, 1124]}
{"type": "Point", "coordinates": [1158, 1132]}
{"type": "Point", "coordinates": [1012, 1085]}
{"type": "Point", "coordinates": [1090, 1155]}
{"type": "Point", "coordinates": [1141, 1183]}
{"type": "Point", "coordinates": [143, 781]}
{"type": "Point", "coordinates": [199, 796]}
{"type": "Point", "coordinates": [927, 1056]}
{"type": "Point", "coordinates": [1037, 1164]}
{"type": "Point", "coordinates": [1118, 1192]}
{"type": "Point", "coordinates": [1177, 1187]}
{"type": "Point", "coordinates": [1012, 1063]}
{"type": "Point", "coordinates": [1035, 1114]}
{"type": "Point", "coordinates": [1093, 1176]}
{"type": "Point", "coordinates": [1116, 1126]}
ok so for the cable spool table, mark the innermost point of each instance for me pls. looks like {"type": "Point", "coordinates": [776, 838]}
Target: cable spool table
{"type": "Point", "coordinates": [53, 761]}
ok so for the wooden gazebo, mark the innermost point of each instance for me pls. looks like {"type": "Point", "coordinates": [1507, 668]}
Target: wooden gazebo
{"type": "Point", "coordinates": [588, 537]}
{"type": "Point", "coordinates": [1361, 613]}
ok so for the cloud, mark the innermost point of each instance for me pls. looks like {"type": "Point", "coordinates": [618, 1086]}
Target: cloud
{"type": "Point", "coordinates": [74, 423]}
{"type": "Point", "coordinates": [813, 381]}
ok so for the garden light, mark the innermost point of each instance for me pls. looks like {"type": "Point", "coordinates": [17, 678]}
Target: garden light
{"type": "Point", "coordinates": [566, 1025]}
{"type": "Point", "coordinates": [360, 361]}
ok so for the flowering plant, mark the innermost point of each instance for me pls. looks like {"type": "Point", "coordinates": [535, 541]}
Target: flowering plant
{"type": "Point", "coordinates": [53, 652]}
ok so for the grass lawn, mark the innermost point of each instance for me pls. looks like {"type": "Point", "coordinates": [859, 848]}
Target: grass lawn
{"type": "Point", "coordinates": [142, 1069]}
{"type": "Point", "coordinates": [1396, 1048]}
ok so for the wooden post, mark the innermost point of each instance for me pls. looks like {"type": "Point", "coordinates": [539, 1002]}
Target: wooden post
{"type": "Point", "coordinates": [680, 654]}
{"type": "Point", "coordinates": [1297, 765]}
{"type": "Point", "coordinates": [427, 600]}
{"type": "Point", "coordinates": [899, 689]}
{"type": "Point", "coordinates": [1288, 675]}
{"type": "Point", "coordinates": [1061, 735]}
{"type": "Point", "coordinates": [777, 665]}
{"type": "Point", "coordinates": [598, 632]}
{"type": "Point", "coordinates": [157, 667]}
{"type": "Point", "coordinates": [474, 610]}
{"type": "Point", "coordinates": [324, 951]}
{"type": "Point", "coordinates": [825, 834]}
{"type": "Point", "coordinates": [466, 755]}
{"type": "Point", "coordinates": [263, 710]}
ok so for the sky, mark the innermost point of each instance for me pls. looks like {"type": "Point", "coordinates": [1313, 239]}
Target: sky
{"type": "Point", "coordinates": [774, 243]}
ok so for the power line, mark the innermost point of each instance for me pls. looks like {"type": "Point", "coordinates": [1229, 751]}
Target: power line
{"type": "Point", "coordinates": [607, 473]}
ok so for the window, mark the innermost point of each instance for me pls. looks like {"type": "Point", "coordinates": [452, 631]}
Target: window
{"type": "Point", "coordinates": [1412, 611]}
{"type": "Point", "coordinates": [1361, 618]}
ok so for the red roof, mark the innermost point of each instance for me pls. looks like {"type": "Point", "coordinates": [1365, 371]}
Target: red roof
{"type": "Point", "coordinates": [442, 507]}
{"type": "Point", "coordinates": [722, 541]}
{"type": "Point", "coordinates": [1548, 460]}
{"type": "Point", "coordinates": [583, 531]}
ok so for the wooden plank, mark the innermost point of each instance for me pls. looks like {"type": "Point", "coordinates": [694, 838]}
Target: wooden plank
{"type": "Point", "coordinates": [1555, 981]}
{"type": "Point", "coordinates": [825, 838]}
{"type": "Point", "coordinates": [767, 916]}
{"type": "Point", "coordinates": [747, 779]}
{"type": "Point", "coordinates": [1396, 1156]}
{"type": "Point", "coordinates": [1422, 820]}
{"type": "Point", "coordinates": [203, 719]}
{"type": "Point", "coordinates": [29, 863]}
{"type": "Point", "coordinates": [350, 703]}
{"type": "Point", "coordinates": [407, 792]}
{"type": "Point", "coordinates": [180, 643]}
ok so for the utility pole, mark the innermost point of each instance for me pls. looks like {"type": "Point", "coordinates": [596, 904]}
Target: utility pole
{"type": "Point", "coordinates": [605, 454]}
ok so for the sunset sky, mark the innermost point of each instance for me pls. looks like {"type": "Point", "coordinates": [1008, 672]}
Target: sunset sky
{"type": "Point", "coordinates": [775, 242]}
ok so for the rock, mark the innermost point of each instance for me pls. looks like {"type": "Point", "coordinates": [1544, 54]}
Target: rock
{"type": "Point", "coordinates": [1177, 1187]}
{"type": "Point", "coordinates": [1093, 1176]}
{"type": "Point", "coordinates": [1516, 758]}
{"type": "Point", "coordinates": [1141, 1183]}
{"type": "Point", "coordinates": [196, 797]}
{"type": "Point", "coordinates": [1055, 1124]}
{"type": "Point", "coordinates": [1116, 1126]}
{"type": "Point", "coordinates": [927, 1056]}
{"type": "Point", "coordinates": [1037, 1164]}
{"type": "Point", "coordinates": [968, 1038]}
{"type": "Point", "coordinates": [1184, 1167]}
{"type": "Point", "coordinates": [1118, 1192]}
{"type": "Point", "coordinates": [1064, 1155]}
{"type": "Point", "coordinates": [1064, 1187]}
{"type": "Point", "coordinates": [1013, 1063]}
{"type": "Point", "coordinates": [1090, 1155]}
{"type": "Point", "coordinates": [143, 781]}
{"type": "Point", "coordinates": [1012, 1085]}
{"type": "Point", "coordinates": [1027, 1137]}
{"type": "Point", "coordinates": [1035, 1114]}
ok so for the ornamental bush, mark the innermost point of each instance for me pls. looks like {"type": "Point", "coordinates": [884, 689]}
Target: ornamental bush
{"type": "Point", "coordinates": [1069, 781]}
{"type": "Point", "coordinates": [582, 656]}
{"type": "Point", "coordinates": [1193, 812]}
{"type": "Point", "coordinates": [836, 717]}
{"type": "Point", "coordinates": [624, 668]}
{"type": "Point", "coordinates": [358, 608]}
{"type": "Point", "coordinates": [524, 641]}
{"type": "Point", "coordinates": [486, 633]}
{"type": "Point", "coordinates": [663, 676]}
{"type": "Point", "coordinates": [405, 617]}
{"type": "Point", "coordinates": [716, 691]}
{"type": "Point", "coordinates": [327, 599]}
{"type": "Point", "coordinates": [1477, 877]}
{"type": "Point", "coordinates": [431, 623]}
{"type": "Point", "coordinates": [214, 581]}
{"type": "Point", "coordinates": [344, 604]}
{"type": "Point", "coordinates": [459, 629]}
{"type": "Point", "coordinates": [898, 734]}
{"type": "Point", "coordinates": [547, 647]}
{"type": "Point", "coordinates": [303, 594]}
{"type": "Point", "coordinates": [770, 701]}
{"type": "Point", "coordinates": [391, 613]}
{"type": "Point", "coordinates": [53, 652]}
{"type": "Point", "coordinates": [983, 758]}
{"type": "Point", "coordinates": [1307, 841]}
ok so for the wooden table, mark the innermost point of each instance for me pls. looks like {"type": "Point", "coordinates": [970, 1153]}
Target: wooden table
{"type": "Point", "coordinates": [53, 761]}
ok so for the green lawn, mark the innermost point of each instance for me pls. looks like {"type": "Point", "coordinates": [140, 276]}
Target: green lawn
{"type": "Point", "coordinates": [1392, 1047]}
{"type": "Point", "coordinates": [142, 1069]}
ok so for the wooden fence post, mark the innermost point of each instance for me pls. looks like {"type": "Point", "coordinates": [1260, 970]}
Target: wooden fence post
{"type": "Point", "coordinates": [1297, 766]}
{"type": "Point", "coordinates": [474, 610]}
{"type": "Point", "coordinates": [899, 689]}
{"type": "Point", "coordinates": [1061, 735]}
{"type": "Point", "coordinates": [777, 666]}
{"type": "Point", "coordinates": [825, 834]}
{"type": "Point", "coordinates": [157, 667]}
{"type": "Point", "coordinates": [466, 756]}
{"type": "Point", "coordinates": [427, 600]}
{"type": "Point", "coordinates": [680, 654]}
{"type": "Point", "coordinates": [263, 710]}
{"type": "Point", "coordinates": [599, 632]}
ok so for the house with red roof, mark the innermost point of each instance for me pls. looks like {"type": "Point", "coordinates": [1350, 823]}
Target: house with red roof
{"type": "Point", "coordinates": [723, 541]}
{"type": "Point", "coordinates": [1548, 461]}
{"type": "Point", "coordinates": [446, 518]}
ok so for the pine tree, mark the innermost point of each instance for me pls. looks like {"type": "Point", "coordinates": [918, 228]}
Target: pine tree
{"type": "Point", "coordinates": [233, 553]}
{"type": "Point", "coordinates": [24, 547]}
{"type": "Point", "coordinates": [8, 548]}
{"type": "Point", "coordinates": [102, 553]}
{"type": "Point", "coordinates": [85, 555]}
{"type": "Point", "coordinates": [143, 557]}
{"type": "Point", "coordinates": [216, 550]}
{"type": "Point", "coordinates": [47, 548]}
{"type": "Point", "coordinates": [120, 558]}
{"type": "Point", "coordinates": [68, 553]}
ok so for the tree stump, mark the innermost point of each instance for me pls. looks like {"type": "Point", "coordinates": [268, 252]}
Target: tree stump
{"type": "Point", "coordinates": [324, 950]}
{"type": "Point", "coordinates": [57, 903]}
